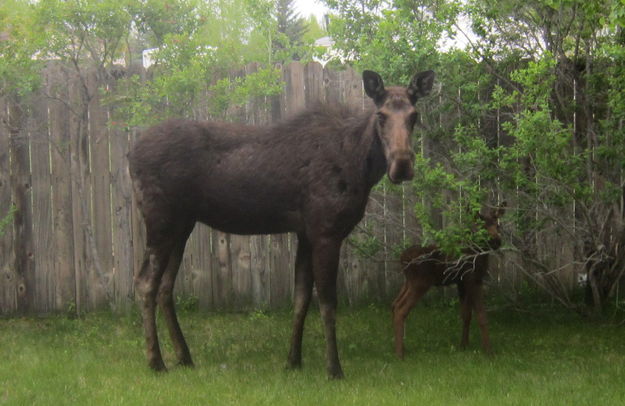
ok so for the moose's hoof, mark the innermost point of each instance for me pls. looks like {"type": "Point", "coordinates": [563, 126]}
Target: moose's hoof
{"type": "Point", "coordinates": [186, 363]}
{"type": "Point", "coordinates": [292, 366]}
{"type": "Point", "coordinates": [158, 366]}
{"type": "Point", "coordinates": [335, 373]}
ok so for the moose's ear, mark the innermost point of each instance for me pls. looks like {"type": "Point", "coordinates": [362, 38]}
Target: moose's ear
{"type": "Point", "coordinates": [374, 86]}
{"type": "Point", "coordinates": [420, 85]}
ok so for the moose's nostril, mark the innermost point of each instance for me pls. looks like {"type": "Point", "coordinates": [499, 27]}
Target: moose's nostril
{"type": "Point", "coordinates": [400, 170]}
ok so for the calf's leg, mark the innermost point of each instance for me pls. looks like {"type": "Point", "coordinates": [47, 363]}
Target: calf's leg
{"type": "Point", "coordinates": [482, 321]}
{"type": "Point", "coordinates": [401, 293]}
{"type": "Point", "coordinates": [303, 294]}
{"type": "Point", "coordinates": [410, 293]}
{"type": "Point", "coordinates": [466, 297]}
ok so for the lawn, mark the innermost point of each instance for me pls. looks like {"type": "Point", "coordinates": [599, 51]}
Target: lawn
{"type": "Point", "coordinates": [547, 358]}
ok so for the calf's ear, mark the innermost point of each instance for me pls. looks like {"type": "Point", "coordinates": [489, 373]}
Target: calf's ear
{"type": "Point", "coordinates": [501, 210]}
{"type": "Point", "coordinates": [421, 85]}
{"type": "Point", "coordinates": [374, 86]}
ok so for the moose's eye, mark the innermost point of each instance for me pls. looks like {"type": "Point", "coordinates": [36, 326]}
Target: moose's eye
{"type": "Point", "coordinates": [412, 119]}
{"type": "Point", "coordinates": [381, 118]}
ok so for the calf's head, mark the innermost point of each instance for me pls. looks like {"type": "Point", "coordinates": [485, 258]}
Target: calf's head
{"type": "Point", "coordinates": [395, 119]}
{"type": "Point", "coordinates": [491, 224]}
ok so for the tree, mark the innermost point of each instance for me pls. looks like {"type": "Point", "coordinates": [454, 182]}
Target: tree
{"type": "Point", "coordinates": [291, 29]}
{"type": "Point", "coordinates": [529, 113]}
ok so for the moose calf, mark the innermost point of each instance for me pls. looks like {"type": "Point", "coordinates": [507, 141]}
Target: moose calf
{"type": "Point", "coordinates": [425, 267]}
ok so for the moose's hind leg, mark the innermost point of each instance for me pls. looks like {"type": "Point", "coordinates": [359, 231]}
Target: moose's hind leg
{"type": "Point", "coordinates": [147, 282]}
{"type": "Point", "coordinates": [165, 299]}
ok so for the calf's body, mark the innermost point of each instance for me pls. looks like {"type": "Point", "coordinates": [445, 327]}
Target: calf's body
{"type": "Point", "coordinates": [428, 266]}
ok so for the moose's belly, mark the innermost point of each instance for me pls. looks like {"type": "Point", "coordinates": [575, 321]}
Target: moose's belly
{"type": "Point", "coordinates": [237, 220]}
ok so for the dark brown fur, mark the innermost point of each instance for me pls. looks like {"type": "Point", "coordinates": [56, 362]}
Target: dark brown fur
{"type": "Point", "coordinates": [310, 175]}
{"type": "Point", "coordinates": [425, 267]}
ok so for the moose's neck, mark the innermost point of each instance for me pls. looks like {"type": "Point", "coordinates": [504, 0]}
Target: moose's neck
{"type": "Point", "coordinates": [376, 164]}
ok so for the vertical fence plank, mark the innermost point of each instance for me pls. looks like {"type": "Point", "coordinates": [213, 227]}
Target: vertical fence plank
{"type": "Point", "coordinates": [81, 191]}
{"type": "Point", "coordinates": [222, 275]}
{"type": "Point", "coordinates": [332, 85]}
{"type": "Point", "coordinates": [42, 204]}
{"type": "Point", "coordinates": [260, 270]}
{"type": "Point", "coordinates": [64, 266]}
{"type": "Point", "coordinates": [100, 281]}
{"type": "Point", "coordinates": [121, 201]}
{"type": "Point", "coordinates": [187, 280]}
{"type": "Point", "coordinates": [240, 255]}
{"type": "Point", "coordinates": [8, 303]}
{"type": "Point", "coordinates": [19, 150]}
{"type": "Point", "coordinates": [204, 267]}
{"type": "Point", "coordinates": [313, 76]}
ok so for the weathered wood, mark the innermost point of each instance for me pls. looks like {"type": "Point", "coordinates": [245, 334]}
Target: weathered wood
{"type": "Point", "coordinates": [204, 266]}
{"type": "Point", "coordinates": [222, 275]}
{"type": "Point", "coordinates": [81, 190]}
{"type": "Point", "coordinates": [377, 266]}
{"type": "Point", "coordinates": [121, 203]}
{"type": "Point", "coordinates": [314, 91]}
{"type": "Point", "coordinates": [64, 266]}
{"type": "Point", "coordinates": [351, 88]}
{"type": "Point", "coordinates": [42, 205]}
{"type": "Point", "coordinates": [294, 99]}
{"type": "Point", "coordinates": [188, 272]}
{"type": "Point", "coordinates": [8, 277]}
{"type": "Point", "coordinates": [240, 255]}
{"type": "Point", "coordinates": [19, 147]}
{"type": "Point", "coordinates": [101, 279]}
{"type": "Point", "coordinates": [260, 270]}
{"type": "Point", "coordinates": [394, 238]}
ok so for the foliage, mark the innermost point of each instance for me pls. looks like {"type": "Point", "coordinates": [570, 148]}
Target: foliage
{"type": "Point", "coordinates": [530, 112]}
{"type": "Point", "coordinates": [195, 59]}
{"type": "Point", "coordinates": [291, 28]}
{"type": "Point", "coordinates": [19, 41]}
{"type": "Point", "coordinates": [392, 37]}
{"type": "Point", "coordinates": [83, 31]}
{"type": "Point", "coordinates": [195, 46]}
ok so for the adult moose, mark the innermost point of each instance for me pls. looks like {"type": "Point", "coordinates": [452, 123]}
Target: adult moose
{"type": "Point", "coordinates": [311, 175]}
{"type": "Point", "coordinates": [425, 267]}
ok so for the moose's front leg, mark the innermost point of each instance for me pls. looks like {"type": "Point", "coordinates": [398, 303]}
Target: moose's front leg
{"type": "Point", "coordinates": [326, 253]}
{"type": "Point", "coordinates": [303, 294]}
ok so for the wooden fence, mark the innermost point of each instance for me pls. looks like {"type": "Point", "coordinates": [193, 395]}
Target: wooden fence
{"type": "Point", "coordinates": [77, 237]}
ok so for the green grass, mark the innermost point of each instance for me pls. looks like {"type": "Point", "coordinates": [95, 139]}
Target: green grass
{"type": "Point", "coordinates": [549, 358]}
